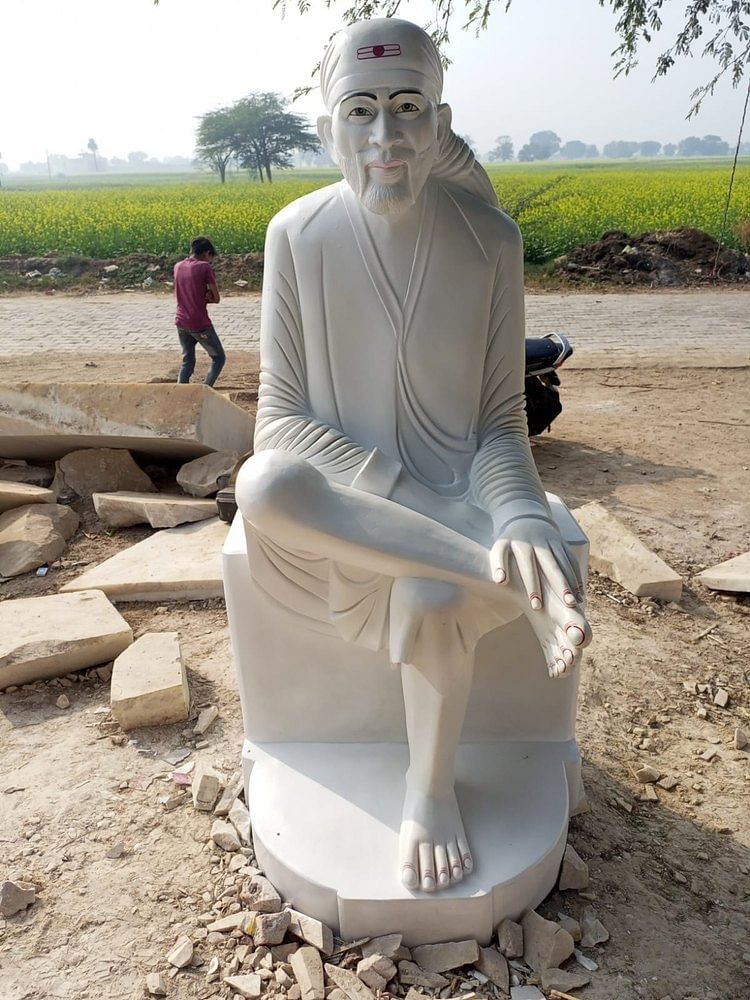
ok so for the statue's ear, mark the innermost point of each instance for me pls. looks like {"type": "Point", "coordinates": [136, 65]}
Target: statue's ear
{"type": "Point", "coordinates": [445, 120]}
{"type": "Point", "coordinates": [325, 134]}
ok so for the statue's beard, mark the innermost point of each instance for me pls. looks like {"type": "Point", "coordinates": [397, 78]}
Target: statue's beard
{"type": "Point", "coordinates": [387, 199]}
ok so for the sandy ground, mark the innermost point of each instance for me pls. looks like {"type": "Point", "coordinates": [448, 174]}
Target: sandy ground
{"type": "Point", "coordinates": [666, 449]}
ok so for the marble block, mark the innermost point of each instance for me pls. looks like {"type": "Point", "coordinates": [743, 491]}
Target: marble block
{"type": "Point", "coordinates": [43, 637]}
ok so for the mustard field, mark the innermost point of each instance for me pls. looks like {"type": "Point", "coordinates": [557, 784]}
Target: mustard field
{"type": "Point", "coordinates": [558, 206]}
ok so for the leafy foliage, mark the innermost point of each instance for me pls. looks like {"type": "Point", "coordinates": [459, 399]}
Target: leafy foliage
{"type": "Point", "coordinates": [256, 131]}
{"type": "Point", "coordinates": [718, 30]}
{"type": "Point", "coordinates": [557, 208]}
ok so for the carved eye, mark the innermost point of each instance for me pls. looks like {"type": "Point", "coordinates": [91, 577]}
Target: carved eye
{"type": "Point", "coordinates": [360, 112]}
{"type": "Point", "coordinates": [407, 108]}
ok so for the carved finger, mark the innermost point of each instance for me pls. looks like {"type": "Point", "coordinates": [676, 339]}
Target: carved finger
{"type": "Point", "coordinates": [527, 567]}
{"type": "Point", "coordinates": [568, 565]}
{"type": "Point", "coordinates": [555, 575]}
{"type": "Point", "coordinates": [499, 560]}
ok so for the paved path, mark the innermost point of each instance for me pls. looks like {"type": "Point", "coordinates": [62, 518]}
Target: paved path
{"type": "Point", "coordinates": [692, 325]}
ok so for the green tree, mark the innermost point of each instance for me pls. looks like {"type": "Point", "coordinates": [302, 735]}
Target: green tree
{"type": "Point", "coordinates": [669, 149]}
{"type": "Point", "coordinates": [649, 148]}
{"type": "Point", "coordinates": [93, 149]}
{"type": "Point", "coordinates": [544, 144]}
{"type": "Point", "coordinates": [503, 150]}
{"type": "Point", "coordinates": [266, 134]}
{"type": "Point", "coordinates": [215, 141]}
{"type": "Point", "coordinates": [718, 30]}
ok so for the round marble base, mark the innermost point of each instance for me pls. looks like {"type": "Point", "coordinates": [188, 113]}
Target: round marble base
{"type": "Point", "coordinates": [326, 819]}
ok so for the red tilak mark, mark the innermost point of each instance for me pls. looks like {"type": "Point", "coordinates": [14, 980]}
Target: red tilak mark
{"type": "Point", "coordinates": [379, 51]}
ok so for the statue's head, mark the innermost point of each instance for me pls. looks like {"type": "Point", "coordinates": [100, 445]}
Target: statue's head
{"type": "Point", "coordinates": [382, 81]}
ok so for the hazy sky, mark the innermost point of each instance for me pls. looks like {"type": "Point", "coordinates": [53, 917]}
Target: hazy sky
{"type": "Point", "coordinates": [135, 76]}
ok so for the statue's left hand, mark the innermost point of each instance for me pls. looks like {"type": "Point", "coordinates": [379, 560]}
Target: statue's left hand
{"type": "Point", "coordinates": [539, 553]}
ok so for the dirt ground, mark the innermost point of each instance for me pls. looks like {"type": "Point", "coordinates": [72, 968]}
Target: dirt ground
{"type": "Point", "coordinates": [667, 450]}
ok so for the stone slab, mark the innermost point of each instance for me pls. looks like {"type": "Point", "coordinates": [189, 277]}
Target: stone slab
{"type": "Point", "coordinates": [14, 495]}
{"type": "Point", "coordinates": [199, 477]}
{"type": "Point", "coordinates": [34, 535]}
{"type": "Point", "coordinates": [43, 637]}
{"type": "Point", "coordinates": [91, 470]}
{"type": "Point", "coordinates": [149, 683]}
{"type": "Point", "coordinates": [621, 556]}
{"type": "Point", "coordinates": [15, 470]}
{"type": "Point", "coordinates": [733, 575]}
{"type": "Point", "coordinates": [182, 564]}
{"type": "Point", "coordinates": [124, 508]}
{"type": "Point", "coordinates": [47, 420]}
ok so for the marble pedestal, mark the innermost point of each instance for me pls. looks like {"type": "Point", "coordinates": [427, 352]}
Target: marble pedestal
{"type": "Point", "coordinates": [325, 754]}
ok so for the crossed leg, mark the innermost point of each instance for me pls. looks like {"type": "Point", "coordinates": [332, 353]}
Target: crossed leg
{"type": "Point", "coordinates": [436, 570]}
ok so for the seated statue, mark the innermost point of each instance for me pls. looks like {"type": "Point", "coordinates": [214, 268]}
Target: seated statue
{"type": "Point", "coordinates": [393, 498]}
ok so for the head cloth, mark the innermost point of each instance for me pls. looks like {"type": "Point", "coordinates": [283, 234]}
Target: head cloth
{"type": "Point", "coordinates": [376, 53]}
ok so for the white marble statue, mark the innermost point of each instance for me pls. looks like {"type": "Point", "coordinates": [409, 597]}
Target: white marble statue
{"type": "Point", "coordinates": [392, 498]}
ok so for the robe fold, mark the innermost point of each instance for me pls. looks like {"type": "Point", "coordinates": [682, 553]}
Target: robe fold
{"type": "Point", "coordinates": [367, 385]}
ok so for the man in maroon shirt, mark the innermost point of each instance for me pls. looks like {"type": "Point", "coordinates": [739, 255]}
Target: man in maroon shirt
{"type": "Point", "coordinates": [195, 286]}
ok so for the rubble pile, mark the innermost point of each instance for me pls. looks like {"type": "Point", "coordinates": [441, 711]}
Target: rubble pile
{"type": "Point", "coordinates": [670, 258]}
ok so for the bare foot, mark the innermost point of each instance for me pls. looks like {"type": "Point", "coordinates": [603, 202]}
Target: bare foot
{"type": "Point", "coordinates": [562, 631]}
{"type": "Point", "coordinates": [433, 850]}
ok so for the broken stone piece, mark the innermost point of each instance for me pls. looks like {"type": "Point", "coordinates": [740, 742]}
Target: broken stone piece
{"type": "Point", "coordinates": [618, 554]}
{"type": "Point", "coordinates": [510, 939]}
{"type": "Point", "coordinates": [176, 563]}
{"type": "Point", "coordinates": [647, 774]}
{"type": "Point", "coordinates": [307, 967]}
{"type": "Point", "coordinates": [156, 984]}
{"type": "Point", "coordinates": [14, 495]}
{"type": "Point", "coordinates": [740, 738]}
{"type": "Point", "coordinates": [721, 698]}
{"type": "Point", "coordinates": [206, 787]}
{"type": "Point", "coordinates": [230, 793]}
{"type": "Point", "coordinates": [311, 931]}
{"type": "Point", "coordinates": [525, 993]}
{"type": "Point", "coordinates": [493, 965]}
{"type": "Point", "coordinates": [250, 986]}
{"type": "Point", "coordinates": [181, 954]}
{"type": "Point", "coordinates": [262, 897]}
{"type": "Point", "coordinates": [559, 979]}
{"type": "Point", "coordinates": [376, 971]}
{"type": "Point", "coordinates": [149, 683]}
{"type": "Point", "coordinates": [18, 471]}
{"type": "Point", "coordinates": [270, 928]}
{"type": "Point", "coordinates": [545, 944]}
{"type": "Point", "coordinates": [224, 925]}
{"type": "Point", "coordinates": [34, 536]}
{"type": "Point", "coordinates": [239, 817]}
{"type": "Point", "coordinates": [348, 983]}
{"type": "Point", "coordinates": [205, 720]}
{"type": "Point", "coordinates": [43, 637]}
{"type": "Point", "coordinates": [46, 421]}
{"type": "Point", "coordinates": [593, 930]}
{"type": "Point", "coordinates": [387, 944]}
{"type": "Point", "coordinates": [442, 957]}
{"type": "Point", "coordinates": [97, 470]}
{"type": "Point", "coordinates": [732, 575]}
{"type": "Point", "coordinates": [16, 896]}
{"type": "Point", "coordinates": [63, 701]}
{"type": "Point", "coordinates": [224, 836]}
{"type": "Point", "coordinates": [570, 925]}
{"type": "Point", "coordinates": [199, 477]}
{"type": "Point", "coordinates": [161, 510]}
{"type": "Point", "coordinates": [410, 974]}
{"type": "Point", "coordinates": [574, 873]}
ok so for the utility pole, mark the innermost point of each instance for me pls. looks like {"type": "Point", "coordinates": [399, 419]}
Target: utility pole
{"type": "Point", "coordinates": [49, 168]}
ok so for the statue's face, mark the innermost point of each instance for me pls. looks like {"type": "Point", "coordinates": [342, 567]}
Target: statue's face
{"type": "Point", "coordinates": [385, 142]}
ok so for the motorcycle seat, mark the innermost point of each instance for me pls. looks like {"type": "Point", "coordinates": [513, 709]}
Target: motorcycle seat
{"type": "Point", "coordinates": [544, 354]}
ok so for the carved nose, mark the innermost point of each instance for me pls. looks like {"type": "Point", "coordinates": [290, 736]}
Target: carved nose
{"type": "Point", "coordinates": [384, 134]}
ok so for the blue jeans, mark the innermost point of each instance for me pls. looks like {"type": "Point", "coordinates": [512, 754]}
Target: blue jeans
{"type": "Point", "coordinates": [209, 341]}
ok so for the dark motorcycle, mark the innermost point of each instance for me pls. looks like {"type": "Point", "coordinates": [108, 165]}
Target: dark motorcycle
{"type": "Point", "coordinates": [544, 355]}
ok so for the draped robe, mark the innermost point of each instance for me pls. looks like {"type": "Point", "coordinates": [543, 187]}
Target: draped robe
{"type": "Point", "coordinates": [364, 384]}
